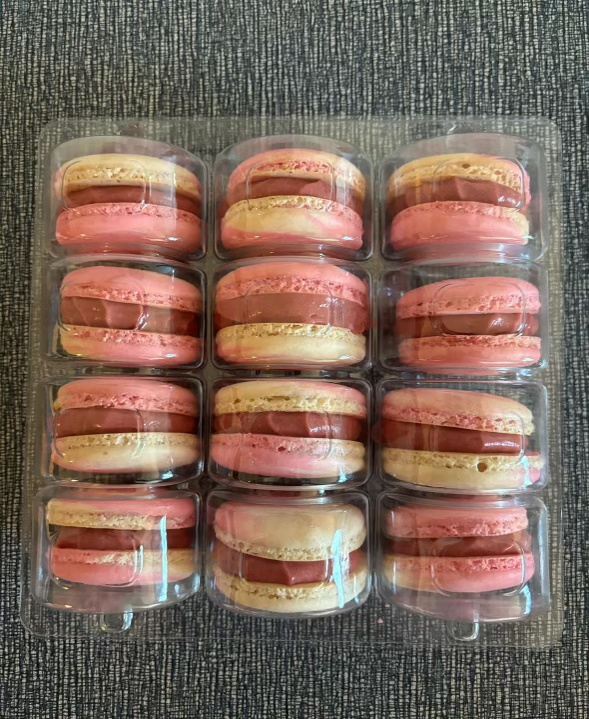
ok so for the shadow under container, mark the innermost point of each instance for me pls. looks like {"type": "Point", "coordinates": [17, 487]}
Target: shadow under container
{"type": "Point", "coordinates": [127, 194]}
{"type": "Point", "coordinates": [292, 314]}
{"type": "Point", "coordinates": [290, 433]}
{"type": "Point", "coordinates": [293, 195]}
{"type": "Point", "coordinates": [465, 195]}
{"type": "Point", "coordinates": [470, 561]}
{"type": "Point", "coordinates": [464, 318]}
{"type": "Point", "coordinates": [290, 555]}
{"type": "Point", "coordinates": [461, 437]}
{"type": "Point", "coordinates": [114, 550]}
{"type": "Point", "coordinates": [117, 429]}
{"type": "Point", "coordinates": [123, 311]}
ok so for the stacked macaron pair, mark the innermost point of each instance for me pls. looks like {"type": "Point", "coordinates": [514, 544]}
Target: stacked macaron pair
{"type": "Point", "coordinates": [132, 314]}
{"type": "Point", "coordinates": [458, 441]}
{"type": "Point", "coordinates": [292, 315]}
{"type": "Point", "coordinates": [457, 199]}
{"type": "Point", "coordinates": [127, 429]}
{"type": "Point", "coordinates": [301, 199]}
{"type": "Point", "coordinates": [468, 560]}
{"type": "Point", "coordinates": [289, 433]}
{"type": "Point", "coordinates": [297, 557]}
{"type": "Point", "coordinates": [140, 548]}
{"type": "Point", "coordinates": [473, 324]}
{"type": "Point", "coordinates": [129, 203]}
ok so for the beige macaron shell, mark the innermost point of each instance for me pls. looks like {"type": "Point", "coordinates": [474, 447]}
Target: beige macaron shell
{"type": "Point", "coordinates": [465, 165]}
{"type": "Point", "coordinates": [126, 451]}
{"type": "Point", "coordinates": [121, 513]}
{"type": "Point", "coordinates": [281, 599]}
{"type": "Point", "coordinates": [297, 533]}
{"type": "Point", "coordinates": [126, 170]}
{"type": "Point", "coordinates": [464, 471]}
{"type": "Point", "coordinates": [287, 396]}
{"type": "Point", "coordinates": [290, 343]}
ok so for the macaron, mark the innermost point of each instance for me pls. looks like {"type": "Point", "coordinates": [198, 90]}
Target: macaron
{"type": "Point", "coordinates": [122, 542]}
{"type": "Point", "coordinates": [290, 429]}
{"type": "Point", "coordinates": [464, 177]}
{"type": "Point", "coordinates": [125, 425]}
{"type": "Point", "coordinates": [291, 314]}
{"type": "Point", "coordinates": [458, 440]}
{"type": "Point", "coordinates": [457, 222]}
{"type": "Point", "coordinates": [131, 317]}
{"type": "Point", "coordinates": [473, 323]}
{"type": "Point", "coordinates": [294, 197]}
{"type": "Point", "coordinates": [290, 559]}
{"type": "Point", "coordinates": [465, 548]}
{"type": "Point", "coordinates": [128, 201]}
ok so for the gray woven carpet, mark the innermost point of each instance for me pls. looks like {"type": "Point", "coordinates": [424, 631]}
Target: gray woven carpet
{"type": "Point", "coordinates": [123, 58]}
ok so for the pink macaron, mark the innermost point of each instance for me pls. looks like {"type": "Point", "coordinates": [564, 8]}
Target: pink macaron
{"type": "Point", "coordinates": [122, 202]}
{"type": "Point", "coordinates": [292, 198]}
{"type": "Point", "coordinates": [130, 317]}
{"type": "Point", "coordinates": [126, 425]}
{"type": "Point", "coordinates": [458, 441]}
{"type": "Point", "coordinates": [291, 315]}
{"type": "Point", "coordinates": [447, 223]}
{"type": "Point", "coordinates": [466, 548]}
{"type": "Point", "coordinates": [477, 323]}
{"type": "Point", "coordinates": [272, 430]}
{"type": "Point", "coordinates": [118, 542]}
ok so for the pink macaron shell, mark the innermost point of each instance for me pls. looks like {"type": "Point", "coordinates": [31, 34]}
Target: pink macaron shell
{"type": "Point", "coordinates": [472, 295]}
{"type": "Point", "coordinates": [173, 512]}
{"type": "Point", "coordinates": [123, 284]}
{"type": "Point", "coordinates": [454, 521]}
{"type": "Point", "coordinates": [127, 393]}
{"type": "Point", "coordinates": [463, 574]}
{"type": "Point", "coordinates": [288, 457]}
{"type": "Point", "coordinates": [292, 161]}
{"type": "Point", "coordinates": [291, 220]}
{"type": "Point", "coordinates": [133, 224]}
{"type": "Point", "coordinates": [302, 277]}
{"type": "Point", "coordinates": [102, 568]}
{"type": "Point", "coordinates": [454, 223]}
{"type": "Point", "coordinates": [470, 352]}
{"type": "Point", "coordinates": [454, 408]}
{"type": "Point", "coordinates": [129, 347]}
{"type": "Point", "coordinates": [299, 388]}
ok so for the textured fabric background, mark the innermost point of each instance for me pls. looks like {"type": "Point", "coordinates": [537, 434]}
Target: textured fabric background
{"type": "Point", "coordinates": [184, 57]}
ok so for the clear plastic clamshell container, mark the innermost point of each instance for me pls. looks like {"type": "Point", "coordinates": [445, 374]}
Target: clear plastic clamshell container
{"type": "Point", "coordinates": [202, 296]}
{"type": "Point", "coordinates": [293, 194]}
{"type": "Point", "coordinates": [460, 437]}
{"type": "Point", "coordinates": [116, 429]}
{"type": "Point", "coordinates": [292, 314]}
{"type": "Point", "coordinates": [127, 194]}
{"type": "Point", "coordinates": [464, 317]}
{"type": "Point", "coordinates": [277, 433]}
{"type": "Point", "coordinates": [288, 556]}
{"type": "Point", "coordinates": [465, 192]}
{"type": "Point", "coordinates": [113, 552]}
{"type": "Point", "coordinates": [125, 311]}
{"type": "Point", "coordinates": [468, 561]}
